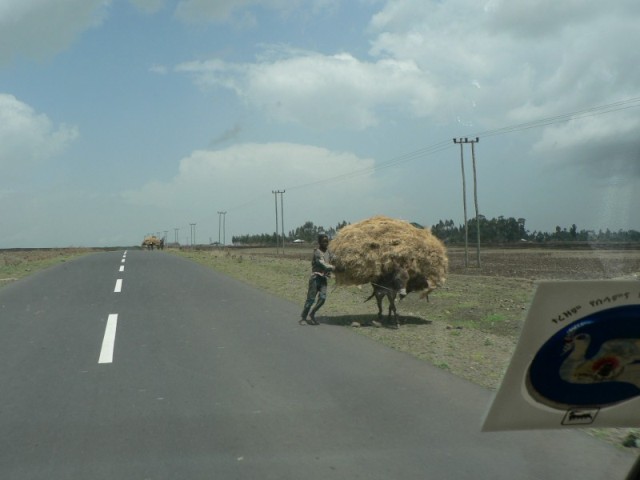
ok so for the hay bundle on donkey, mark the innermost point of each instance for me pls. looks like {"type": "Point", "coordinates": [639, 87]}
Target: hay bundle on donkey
{"type": "Point", "coordinates": [366, 250]}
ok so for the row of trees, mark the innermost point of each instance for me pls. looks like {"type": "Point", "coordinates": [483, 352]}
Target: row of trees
{"type": "Point", "coordinates": [308, 232]}
{"type": "Point", "coordinates": [499, 230]}
{"type": "Point", "coordinates": [510, 230]}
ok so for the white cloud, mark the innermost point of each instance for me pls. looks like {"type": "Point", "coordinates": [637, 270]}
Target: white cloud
{"type": "Point", "coordinates": [40, 28]}
{"type": "Point", "coordinates": [323, 91]}
{"type": "Point", "coordinates": [542, 17]}
{"type": "Point", "coordinates": [240, 179]}
{"type": "Point", "coordinates": [605, 146]}
{"type": "Point", "coordinates": [241, 171]}
{"type": "Point", "coordinates": [534, 60]}
{"type": "Point", "coordinates": [428, 60]}
{"type": "Point", "coordinates": [28, 137]}
{"type": "Point", "coordinates": [588, 130]}
{"type": "Point", "coordinates": [457, 42]}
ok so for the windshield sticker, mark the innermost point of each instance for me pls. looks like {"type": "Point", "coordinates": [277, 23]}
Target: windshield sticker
{"type": "Point", "coordinates": [582, 368]}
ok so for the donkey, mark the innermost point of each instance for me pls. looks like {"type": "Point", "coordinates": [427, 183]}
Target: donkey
{"type": "Point", "coordinates": [390, 285]}
{"type": "Point", "coordinates": [398, 283]}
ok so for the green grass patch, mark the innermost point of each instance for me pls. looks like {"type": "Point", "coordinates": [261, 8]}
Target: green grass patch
{"type": "Point", "coordinates": [495, 317]}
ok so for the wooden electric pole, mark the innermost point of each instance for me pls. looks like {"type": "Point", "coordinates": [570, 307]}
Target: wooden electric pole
{"type": "Point", "coordinates": [462, 141]}
{"type": "Point", "coordinates": [222, 218]}
{"type": "Point", "coordinates": [282, 217]}
{"type": "Point", "coordinates": [193, 234]}
{"type": "Point", "coordinates": [275, 193]}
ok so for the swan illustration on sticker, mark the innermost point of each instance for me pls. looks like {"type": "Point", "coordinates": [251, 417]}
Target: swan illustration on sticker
{"type": "Point", "coordinates": [593, 362]}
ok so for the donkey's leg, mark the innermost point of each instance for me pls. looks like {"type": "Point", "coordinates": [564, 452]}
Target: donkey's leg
{"type": "Point", "coordinates": [392, 309]}
{"type": "Point", "coordinates": [379, 293]}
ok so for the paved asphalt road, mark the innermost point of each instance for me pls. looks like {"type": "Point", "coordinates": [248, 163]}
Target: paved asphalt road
{"type": "Point", "coordinates": [186, 374]}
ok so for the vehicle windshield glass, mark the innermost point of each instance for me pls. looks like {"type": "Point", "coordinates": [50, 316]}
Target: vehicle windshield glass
{"type": "Point", "coordinates": [244, 239]}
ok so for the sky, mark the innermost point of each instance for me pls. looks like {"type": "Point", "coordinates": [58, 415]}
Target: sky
{"type": "Point", "coordinates": [121, 118]}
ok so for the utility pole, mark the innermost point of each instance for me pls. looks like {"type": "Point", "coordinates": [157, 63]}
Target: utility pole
{"type": "Point", "coordinates": [222, 216]}
{"type": "Point", "coordinates": [464, 204]}
{"type": "Point", "coordinates": [193, 234]}
{"type": "Point", "coordinates": [219, 226]}
{"type": "Point", "coordinates": [462, 141]}
{"type": "Point", "coordinates": [224, 228]}
{"type": "Point", "coordinates": [276, 192]}
{"type": "Point", "coordinates": [175, 231]}
{"type": "Point", "coordinates": [282, 217]}
{"type": "Point", "coordinates": [475, 199]}
{"type": "Point", "coordinates": [275, 196]}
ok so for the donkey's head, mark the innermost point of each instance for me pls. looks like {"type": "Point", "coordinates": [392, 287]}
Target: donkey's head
{"type": "Point", "coordinates": [399, 280]}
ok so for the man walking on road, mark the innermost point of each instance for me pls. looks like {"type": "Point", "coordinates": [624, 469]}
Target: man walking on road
{"type": "Point", "coordinates": [321, 269]}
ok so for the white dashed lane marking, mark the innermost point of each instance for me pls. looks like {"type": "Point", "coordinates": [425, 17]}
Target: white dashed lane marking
{"type": "Point", "coordinates": [109, 340]}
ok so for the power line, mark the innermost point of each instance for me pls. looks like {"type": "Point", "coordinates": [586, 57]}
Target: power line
{"type": "Point", "coordinates": [565, 117]}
